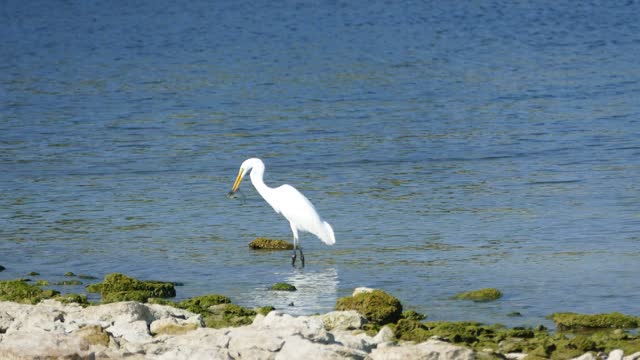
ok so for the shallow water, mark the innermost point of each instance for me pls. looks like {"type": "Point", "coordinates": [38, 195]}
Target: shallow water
{"type": "Point", "coordinates": [451, 146]}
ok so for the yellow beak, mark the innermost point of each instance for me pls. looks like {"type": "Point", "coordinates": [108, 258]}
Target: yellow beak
{"type": "Point", "coordinates": [236, 184]}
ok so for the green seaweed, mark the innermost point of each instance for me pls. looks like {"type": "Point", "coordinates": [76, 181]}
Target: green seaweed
{"type": "Point", "coordinates": [21, 292]}
{"type": "Point", "coordinates": [226, 315]}
{"type": "Point", "coordinates": [377, 306]}
{"type": "Point", "coordinates": [283, 287]}
{"type": "Point", "coordinates": [413, 315]}
{"type": "Point", "coordinates": [486, 294]}
{"type": "Point", "coordinates": [613, 320]}
{"type": "Point", "coordinates": [73, 298]}
{"type": "Point", "coordinates": [270, 244]}
{"type": "Point", "coordinates": [119, 287]}
{"type": "Point", "coordinates": [264, 310]}
{"type": "Point", "coordinates": [68, 282]}
{"type": "Point", "coordinates": [201, 304]}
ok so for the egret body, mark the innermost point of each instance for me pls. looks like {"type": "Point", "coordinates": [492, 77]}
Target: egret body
{"type": "Point", "coordinates": [289, 202]}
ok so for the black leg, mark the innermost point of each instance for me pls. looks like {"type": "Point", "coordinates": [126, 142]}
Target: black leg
{"type": "Point", "coordinates": [301, 256]}
{"type": "Point", "coordinates": [293, 257]}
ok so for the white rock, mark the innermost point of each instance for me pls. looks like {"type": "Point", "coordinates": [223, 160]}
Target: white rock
{"type": "Point", "coordinates": [128, 311]}
{"type": "Point", "coordinates": [384, 335]}
{"type": "Point", "coordinates": [615, 355]}
{"type": "Point", "coordinates": [360, 341]}
{"type": "Point", "coordinates": [515, 356]}
{"type": "Point", "coordinates": [586, 356]}
{"type": "Point", "coordinates": [243, 339]}
{"type": "Point", "coordinates": [634, 356]}
{"type": "Point", "coordinates": [174, 326]}
{"type": "Point", "coordinates": [133, 332]}
{"type": "Point", "coordinates": [42, 344]}
{"type": "Point", "coordinates": [343, 320]}
{"type": "Point", "coordinates": [362, 290]}
{"type": "Point", "coordinates": [295, 347]}
{"type": "Point", "coordinates": [285, 325]}
{"type": "Point", "coordinates": [432, 349]}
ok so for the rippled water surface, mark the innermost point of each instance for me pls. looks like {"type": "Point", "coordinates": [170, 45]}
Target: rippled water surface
{"type": "Point", "coordinates": [452, 146]}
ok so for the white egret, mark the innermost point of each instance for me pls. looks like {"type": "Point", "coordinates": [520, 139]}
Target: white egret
{"type": "Point", "coordinates": [289, 202]}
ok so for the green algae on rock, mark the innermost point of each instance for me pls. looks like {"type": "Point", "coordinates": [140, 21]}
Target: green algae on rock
{"type": "Point", "coordinates": [201, 304]}
{"type": "Point", "coordinates": [21, 292]}
{"type": "Point", "coordinates": [69, 273]}
{"type": "Point", "coordinates": [614, 320]}
{"type": "Point", "coordinates": [33, 273]}
{"type": "Point", "coordinates": [41, 283]}
{"type": "Point", "coordinates": [264, 310]}
{"type": "Point", "coordinates": [68, 282]}
{"type": "Point", "coordinates": [226, 315]}
{"type": "Point", "coordinates": [376, 306]}
{"type": "Point", "coordinates": [73, 298]}
{"type": "Point", "coordinates": [119, 287]}
{"type": "Point", "coordinates": [413, 315]}
{"type": "Point", "coordinates": [486, 294]}
{"type": "Point", "coordinates": [282, 287]}
{"type": "Point", "coordinates": [270, 244]}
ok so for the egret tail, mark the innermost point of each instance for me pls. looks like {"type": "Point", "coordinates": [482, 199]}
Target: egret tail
{"type": "Point", "coordinates": [327, 236]}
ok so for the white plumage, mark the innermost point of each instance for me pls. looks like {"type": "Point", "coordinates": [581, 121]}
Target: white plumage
{"type": "Point", "coordinates": [289, 202]}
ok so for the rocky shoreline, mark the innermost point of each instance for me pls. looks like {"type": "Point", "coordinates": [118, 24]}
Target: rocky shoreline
{"type": "Point", "coordinates": [134, 330]}
{"type": "Point", "coordinates": [136, 320]}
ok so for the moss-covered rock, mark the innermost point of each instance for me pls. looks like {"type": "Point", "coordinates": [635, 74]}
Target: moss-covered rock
{"type": "Point", "coordinates": [270, 244]}
{"type": "Point", "coordinates": [34, 273]}
{"type": "Point", "coordinates": [614, 320]}
{"type": "Point", "coordinates": [487, 294]}
{"type": "Point", "coordinates": [21, 292]}
{"type": "Point", "coordinates": [94, 335]}
{"type": "Point", "coordinates": [226, 315]}
{"type": "Point", "coordinates": [68, 282]}
{"type": "Point", "coordinates": [41, 283]}
{"type": "Point", "coordinates": [264, 310]}
{"type": "Point", "coordinates": [282, 287]}
{"type": "Point", "coordinates": [413, 315]}
{"type": "Point", "coordinates": [377, 306]}
{"type": "Point", "coordinates": [119, 287]}
{"type": "Point", "coordinates": [86, 277]}
{"type": "Point", "coordinates": [73, 298]}
{"type": "Point", "coordinates": [201, 304]}
{"type": "Point", "coordinates": [69, 273]}
{"type": "Point", "coordinates": [161, 301]}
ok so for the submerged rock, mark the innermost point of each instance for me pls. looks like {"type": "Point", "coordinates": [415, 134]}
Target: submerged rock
{"type": "Point", "coordinates": [487, 294]}
{"type": "Point", "coordinates": [568, 320]}
{"type": "Point", "coordinates": [376, 306]}
{"type": "Point", "coordinates": [270, 244]}
{"type": "Point", "coordinates": [119, 287]}
{"type": "Point", "coordinates": [283, 287]}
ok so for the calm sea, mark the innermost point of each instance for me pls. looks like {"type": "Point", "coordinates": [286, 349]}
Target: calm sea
{"type": "Point", "coordinates": [452, 146]}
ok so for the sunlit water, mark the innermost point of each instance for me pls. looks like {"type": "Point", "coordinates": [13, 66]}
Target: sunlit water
{"type": "Point", "coordinates": [452, 146]}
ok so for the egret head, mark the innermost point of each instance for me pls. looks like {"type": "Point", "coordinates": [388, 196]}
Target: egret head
{"type": "Point", "coordinates": [246, 166]}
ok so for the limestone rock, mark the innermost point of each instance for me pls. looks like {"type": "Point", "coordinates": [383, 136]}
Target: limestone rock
{"type": "Point", "coordinates": [634, 356]}
{"type": "Point", "coordinates": [586, 356]}
{"type": "Point", "coordinates": [362, 290]}
{"type": "Point", "coordinates": [343, 320]}
{"type": "Point", "coordinates": [615, 355]}
{"type": "Point", "coordinates": [295, 347]}
{"type": "Point", "coordinates": [384, 335]}
{"type": "Point", "coordinates": [432, 349]}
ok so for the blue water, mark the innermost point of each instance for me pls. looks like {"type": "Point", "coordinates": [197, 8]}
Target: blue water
{"type": "Point", "coordinates": [452, 146]}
